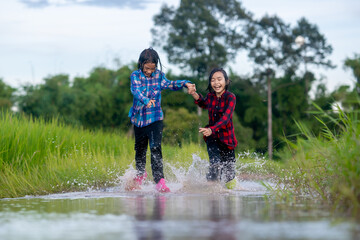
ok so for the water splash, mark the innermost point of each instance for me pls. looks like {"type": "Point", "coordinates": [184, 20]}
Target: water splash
{"type": "Point", "coordinates": [195, 173]}
{"type": "Point", "coordinates": [126, 181]}
{"type": "Point", "coordinates": [258, 160]}
{"type": "Point", "coordinates": [193, 179]}
{"type": "Point", "coordinates": [182, 180]}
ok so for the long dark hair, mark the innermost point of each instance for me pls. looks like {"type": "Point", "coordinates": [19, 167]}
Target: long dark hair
{"type": "Point", "coordinates": [227, 80]}
{"type": "Point", "coordinates": [149, 55]}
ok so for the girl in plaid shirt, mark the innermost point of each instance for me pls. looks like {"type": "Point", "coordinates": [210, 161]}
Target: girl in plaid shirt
{"type": "Point", "coordinates": [219, 133]}
{"type": "Point", "coordinates": [147, 116]}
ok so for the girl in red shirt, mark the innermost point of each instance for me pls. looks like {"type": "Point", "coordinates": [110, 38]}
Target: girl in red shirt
{"type": "Point", "coordinates": [219, 133]}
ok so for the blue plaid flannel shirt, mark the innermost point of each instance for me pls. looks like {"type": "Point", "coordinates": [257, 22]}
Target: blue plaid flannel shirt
{"type": "Point", "coordinates": [145, 89]}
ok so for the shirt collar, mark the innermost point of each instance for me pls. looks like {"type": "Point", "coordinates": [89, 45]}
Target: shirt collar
{"type": "Point", "coordinates": [223, 94]}
{"type": "Point", "coordinates": [143, 75]}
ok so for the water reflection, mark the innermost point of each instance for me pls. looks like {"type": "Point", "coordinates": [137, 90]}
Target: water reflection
{"type": "Point", "coordinates": [143, 215]}
{"type": "Point", "coordinates": [222, 213]}
{"type": "Point", "coordinates": [146, 226]}
{"type": "Point", "coordinates": [209, 217]}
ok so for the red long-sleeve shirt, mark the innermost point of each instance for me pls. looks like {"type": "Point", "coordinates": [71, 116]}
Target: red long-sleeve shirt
{"type": "Point", "coordinates": [220, 116]}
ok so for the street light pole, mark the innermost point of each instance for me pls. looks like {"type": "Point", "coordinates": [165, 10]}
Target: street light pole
{"type": "Point", "coordinates": [269, 110]}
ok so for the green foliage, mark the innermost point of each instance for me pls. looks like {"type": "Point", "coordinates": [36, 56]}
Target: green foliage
{"type": "Point", "coordinates": [100, 101]}
{"type": "Point", "coordinates": [47, 99]}
{"type": "Point", "coordinates": [177, 99]}
{"type": "Point", "coordinates": [271, 46]}
{"type": "Point", "coordinates": [6, 96]}
{"type": "Point", "coordinates": [250, 110]}
{"type": "Point", "coordinates": [327, 166]}
{"type": "Point", "coordinates": [322, 99]}
{"type": "Point", "coordinates": [347, 98]}
{"type": "Point", "coordinates": [354, 65]}
{"type": "Point", "coordinates": [244, 135]}
{"type": "Point", "coordinates": [180, 126]}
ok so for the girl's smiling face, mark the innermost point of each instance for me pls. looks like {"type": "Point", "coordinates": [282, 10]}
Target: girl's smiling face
{"type": "Point", "coordinates": [148, 69]}
{"type": "Point", "coordinates": [218, 83]}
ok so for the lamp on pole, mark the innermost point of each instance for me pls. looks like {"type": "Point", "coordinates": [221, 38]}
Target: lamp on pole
{"type": "Point", "coordinates": [300, 41]}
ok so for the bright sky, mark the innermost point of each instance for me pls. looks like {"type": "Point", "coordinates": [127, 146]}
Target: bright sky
{"type": "Point", "coordinates": [47, 37]}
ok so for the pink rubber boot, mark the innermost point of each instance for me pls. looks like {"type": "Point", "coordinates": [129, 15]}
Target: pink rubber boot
{"type": "Point", "coordinates": [140, 178]}
{"type": "Point", "coordinates": [161, 186]}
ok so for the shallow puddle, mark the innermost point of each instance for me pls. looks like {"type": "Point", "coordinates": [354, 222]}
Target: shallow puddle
{"type": "Point", "coordinates": [188, 212]}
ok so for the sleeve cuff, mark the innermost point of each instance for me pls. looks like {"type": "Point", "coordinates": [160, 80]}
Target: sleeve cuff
{"type": "Point", "coordinates": [146, 101]}
{"type": "Point", "coordinates": [199, 99]}
{"type": "Point", "coordinates": [185, 82]}
{"type": "Point", "coordinates": [212, 130]}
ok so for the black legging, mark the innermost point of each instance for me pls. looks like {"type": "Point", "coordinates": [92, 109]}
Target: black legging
{"type": "Point", "coordinates": [151, 134]}
{"type": "Point", "coordinates": [222, 161]}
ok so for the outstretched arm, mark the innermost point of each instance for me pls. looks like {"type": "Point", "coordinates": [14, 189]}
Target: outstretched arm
{"type": "Point", "coordinates": [172, 85]}
{"type": "Point", "coordinates": [192, 90]}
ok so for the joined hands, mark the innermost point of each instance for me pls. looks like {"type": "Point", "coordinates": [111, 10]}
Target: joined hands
{"type": "Point", "coordinates": [191, 88]}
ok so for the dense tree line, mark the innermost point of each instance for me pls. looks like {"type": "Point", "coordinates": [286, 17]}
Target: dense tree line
{"type": "Point", "coordinates": [103, 99]}
{"type": "Point", "coordinates": [197, 36]}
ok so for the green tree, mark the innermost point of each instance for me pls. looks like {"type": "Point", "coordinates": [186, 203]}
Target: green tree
{"type": "Point", "coordinates": [274, 49]}
{"type": "Point", "coordinates": [244, 135]}
{"type": "Point", "coordinates": [250, 109]}
{"type": "Point", "coordinates": [45, 99]}
{"type": "Point", "coordinates": [313, 48]}
{"type": "Point", "coordinates": [179, 99]}
{"type": "Point", "coordinates": [104, 98]}
{"type": "Point", "coordinates": [354, 65]}
{"type": "Point", "coordinates": [322, 98]}
{"type": "Point", "coordinates": [6, 95]}
{"type": "Point", "coordinates": [180, 126]}
{"type": "Point", "coordinates": [101, 100]}
{"type": "Point", "coordinates": [346, 98]}
{"type": "Point", "coordinates": [202, 34]}
{"type": "Point", "coordinates": [271, 50]}
{"type": "Point", "coordinates": [289, 104]}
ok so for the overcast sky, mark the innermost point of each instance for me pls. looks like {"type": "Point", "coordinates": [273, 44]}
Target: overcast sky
{"type": "Point", "coordinates": [47, 37]}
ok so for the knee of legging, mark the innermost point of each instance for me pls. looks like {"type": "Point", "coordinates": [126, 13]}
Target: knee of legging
{"type": "Point", "coordinates": [140, 154]}
{"type": "Point", "coordinates": [155, 148]}
{"type": "Point", "coordinates": [140, 149]}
